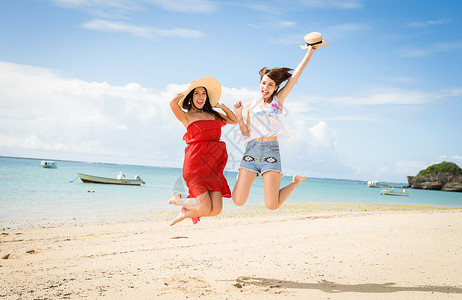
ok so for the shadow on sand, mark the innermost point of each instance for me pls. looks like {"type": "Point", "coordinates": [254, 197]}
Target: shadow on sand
{"type": "Point", "coordinates": [332, 287]}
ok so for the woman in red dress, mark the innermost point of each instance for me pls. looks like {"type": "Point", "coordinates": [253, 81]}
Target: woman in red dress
{"type": "Point", "coordinates": [205, 155]}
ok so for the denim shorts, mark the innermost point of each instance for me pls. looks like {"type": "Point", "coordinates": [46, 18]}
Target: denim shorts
{"type": "Point", "coordinates": [261, 157]}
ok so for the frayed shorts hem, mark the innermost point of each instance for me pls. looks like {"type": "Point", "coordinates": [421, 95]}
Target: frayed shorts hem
{"type": "Point", "coordinates": [258, 173]}
{"type": "Point", "coordinates": [242, 168]}
{"type": "Point", "coordinates": [271, 170]}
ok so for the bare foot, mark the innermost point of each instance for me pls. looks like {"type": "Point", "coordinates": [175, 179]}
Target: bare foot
{"type": "Point", "coordinates": [297, 179]}
{"type": "Point", "coordinates": [177, 200]}
{"type": "Point", "coordinates": [181, 216]}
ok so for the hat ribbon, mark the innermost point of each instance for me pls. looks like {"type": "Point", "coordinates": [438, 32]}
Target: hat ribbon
{"type": "Point", "coordinates": [312, 44]}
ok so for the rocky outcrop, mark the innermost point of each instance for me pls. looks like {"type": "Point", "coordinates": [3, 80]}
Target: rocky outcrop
{"type": "Point", "coordinates": [439, 181]}
{"type": "Point", "coordinates": [453, 187]}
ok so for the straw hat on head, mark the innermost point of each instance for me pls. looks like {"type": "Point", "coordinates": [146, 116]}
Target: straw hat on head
{"type": "Point", "coordinates": [211, 84]}
{"type": "Point", "coordinates": [314, 39]}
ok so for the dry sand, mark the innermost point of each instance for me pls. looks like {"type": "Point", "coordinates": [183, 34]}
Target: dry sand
{"type": "Point", "coordinates": [299, 252]}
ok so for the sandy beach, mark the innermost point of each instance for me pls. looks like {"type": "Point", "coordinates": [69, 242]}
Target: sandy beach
{"type": "Point", "coordinates": [298, 252]}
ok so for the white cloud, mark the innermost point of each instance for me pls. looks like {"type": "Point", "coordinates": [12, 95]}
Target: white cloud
{"type": "Point", "coordinates": [231, 95]}
{"type": "Point", "coordinates": [401, 79]}
{"type": "Point", "coordinates": [394, 171]}
{"type": "Point", "coordinates": [260, 7]}
{"type": "Point", "coordinates": [120, 7]}
{"type": "Point", "coordinates": [348, 28]}
{"type": "Point", "coordinates": [110, 26]}
{"type": "Point", "coordinates": [312, 150]}
{"type": "Point", "coordinates": [286, 24]}
{"type": "Point", "coordinates": [339, 4]}
{"type": "Point", "coordinates": [278, 8]}
{"type": "Point", "coordinates": [117, 9]}
{"type": "Point", "coordinates": [329, 34]}
{"type": "Point", "coordinates": [389, 96]}
{"type": "Point", "coordinates": [428, 23]}
{"type": "Point", "coordinates": [457, 158]}
{"type": "Point", "coordinates": [454, 92]}
{"type": "Point", "coordinates": [442, 157]}
{"type": "Point", "coordinates": [42, 110]}
{"type": "Point", "coordinates": [430, 49]}
{"type": "Point", "coordinates": [147, 32]}
{"type": "Point", "coordinates": [321, 136]}
{"type": "Point", "coordinates": [201, 6]}
{"type": "Point", "coordinates": [378, 97]}
{"type": "Point", "coordinates": [180, 32]}
{"type": "Point", "coordinates": [287, 39]}
{"type": "Point", "coordinates": [96, 3]}
{"type": "Point", "coordinates": [410, 167]}
{"type": "Point", "coordinates": [344, 31]}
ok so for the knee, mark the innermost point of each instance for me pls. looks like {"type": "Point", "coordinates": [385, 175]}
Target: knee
{"type": "Point", "coordinates": [204, 209]}
{"type": "Point", "coordinates": [272, 206]}
{"type": "Point", "coordinates": [239, 201]}
{"type": "Point", "coordinates": [215, 211]}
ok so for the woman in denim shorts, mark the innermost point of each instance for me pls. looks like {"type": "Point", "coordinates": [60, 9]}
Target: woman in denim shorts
{"type": "Point", "coordinates": [261, 130]}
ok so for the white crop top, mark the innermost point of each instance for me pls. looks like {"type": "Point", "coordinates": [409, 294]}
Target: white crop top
{"type": "Point", "coordinates": [265, 120]}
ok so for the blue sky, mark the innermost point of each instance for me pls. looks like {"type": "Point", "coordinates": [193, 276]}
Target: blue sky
{"type": "Point", "coordinates": [91, 80]}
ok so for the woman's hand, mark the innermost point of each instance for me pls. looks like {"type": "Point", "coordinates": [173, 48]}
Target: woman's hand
{"type": "Point", "coordinates": [178, 97]}
{"type": "Point", "coordinates": [230, 117]}
{"type": "Point", "coordinates": [242, 126]}
{"type": "Point", "coordinates": [220, 105]}
{"type": "Point", "coordinates": [238, 107]}
{"type": "Point", "coordinates": [177, 111]}
{"type": "Point", "coordinates": [312, 49]}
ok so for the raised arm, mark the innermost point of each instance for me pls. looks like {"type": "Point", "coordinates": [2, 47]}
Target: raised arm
{"type": "Point", "coordinates": [179, 113]}
{"type": "Point", "coordinates": [245, 128]}
{"type": "Point", "coordinates": [230, 117]}
{"type": "Point", "coordinates": [284, 92]}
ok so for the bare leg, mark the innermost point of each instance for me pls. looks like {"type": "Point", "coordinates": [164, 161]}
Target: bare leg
{"type": "Point", "coordinates": [271, 183]}
{"type": "Point", "coordinates": [181, 216]}
{"type": "Point", "coordinates": [286, 191]}
{"type": "Point", "coordinates": [216, 201]}
{"type": "Point", "coordinates": [214, 209]}
{"type": "Point", "coordinates": [242, 187]}
{"type": "Point", "coordinates": [274, 197]}
{"type": "Point", "coordinates": [217, 204]}
{"type": "Point", "coordinates": [203, 208]}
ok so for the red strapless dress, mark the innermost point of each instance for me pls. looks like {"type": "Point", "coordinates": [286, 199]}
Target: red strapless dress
{"type": "Point", "coordinates": [205, 158]}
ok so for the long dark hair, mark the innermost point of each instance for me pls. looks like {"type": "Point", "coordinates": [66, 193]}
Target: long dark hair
{"type": "Point", "coordinates": [188, 104]}
{"type": "Point", "coordinates": [278, 75]}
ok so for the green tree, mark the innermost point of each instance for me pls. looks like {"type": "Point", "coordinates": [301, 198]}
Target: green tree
{"type": "Point", "coordinates": [444, 167]}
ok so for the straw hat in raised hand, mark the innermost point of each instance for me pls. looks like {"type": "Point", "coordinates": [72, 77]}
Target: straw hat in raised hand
{"type": "Point", "coordinates": [314, 39]}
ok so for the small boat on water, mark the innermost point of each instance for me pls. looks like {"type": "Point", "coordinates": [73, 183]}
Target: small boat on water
{"type": "Point", "coordinates": [104, 180]}
{"type": "Point", "coordinates": [373, 184]}
{"type": "Point", "coordinates": [393, 192]}
{"type": "Point", "coordinates": [48, 164]}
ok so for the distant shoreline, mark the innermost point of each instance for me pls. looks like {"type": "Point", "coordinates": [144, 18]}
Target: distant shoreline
{"type": "Point", "coordinates": [234, 172]}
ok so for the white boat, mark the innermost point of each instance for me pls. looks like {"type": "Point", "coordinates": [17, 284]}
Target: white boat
{"type": "Point", "coordinates": [104, 180]}
{"type": "Point", "coordinates": [373, 184]}
{"type": "Point", "coordinates": [49, 164]}
{"type": "Point", "coordinates": [393, 192]}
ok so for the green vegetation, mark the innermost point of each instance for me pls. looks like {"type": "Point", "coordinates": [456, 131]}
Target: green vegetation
{"type": "Point", "coordinates": [444, 167]}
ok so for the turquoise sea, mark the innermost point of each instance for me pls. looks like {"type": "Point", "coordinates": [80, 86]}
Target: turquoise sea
{"type": "Point", "coordinates": [31, 195]}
